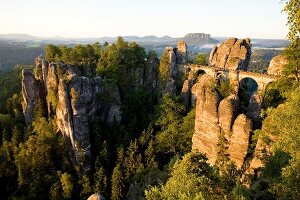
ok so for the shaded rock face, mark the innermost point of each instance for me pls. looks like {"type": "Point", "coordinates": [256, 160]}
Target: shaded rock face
{"type": "Point", "coordinates": [215, 118]}
{"type": "Point", "coordinates": [277, 65]}
{"type": "Point", "coordinates": [186, 93]}
{"type": "Point", "coordinates": [73, 100]}
{"type": "Point", "coordinates": [207, 130]}
{"type": "Point", "coordinates": [75, 97]}
{"type": "Point", "coordinates": [31, 92]}
{"type": "Point", "coordinates": [233, 54]}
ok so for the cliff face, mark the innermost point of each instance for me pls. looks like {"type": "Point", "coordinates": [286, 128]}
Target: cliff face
{"type": "Point", "coordinates": [73, 100]}
{"type": "Point", "coordinates": [232, 54]}
{"type": "Point", "coordinates": [223, 124]}
{"type": "Point", "coordinates": [74, 96]}
{"type": "Point", "coordinates": [218, 118]}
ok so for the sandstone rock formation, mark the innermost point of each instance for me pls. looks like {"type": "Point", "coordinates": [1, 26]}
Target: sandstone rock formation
{"type": "Point", "coordinates": [232, 54]}
{"type": "Point", "coordinates": [75, 96]}
{"type": "Point", "coordinates": [71, 99]}
{"type": "Point", "coordinates": [239, 140]}
{"type": "Point", "coordinates": [277, 65]}
{"type": "Point", "coordinates": [207, 130]}
{"type": "Point", "coordinates": [176, 59]}
{"type": "Point", "coordinates": [215, 118]}
{"type": "Point", "coordinates": [181, 52]}
{"type": "Point", "coordinates": [186, 93]}
{"type": "Point", "coordinates": [30, 92]}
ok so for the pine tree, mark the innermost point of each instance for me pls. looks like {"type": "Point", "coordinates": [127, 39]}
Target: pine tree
{"type": "Point", "coordinates": [100, 181]}
{"type": "Point", "coordinates": [117, 184]}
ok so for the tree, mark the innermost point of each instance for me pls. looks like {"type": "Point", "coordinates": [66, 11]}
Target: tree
{"type": "Point", "coordinates": [117, 185]}
{"type": "Point", "coordinates": [292, 53]}
{"type": "Point", "coordinates": [133, 161]}
{"type": "Point", "coordinates": [282, 128]}
{"type": "Point", "coordinates": [164, 68]}
{"type": "Point", "coordinates": [100, 181]}
{"type": "Point", "coordinates": [201, 59]}
{"type": "Point", "coordinates": [170, 113]}
{"type": "Point", "coordinates": [52, 52]}
{"type": "Point", "coordinates": [191, 178]}
{"type": "Point", "coordinates": [86, 188]}
{"type": "Point", "coordinates": [67, 185]}
{"type": "Point", "coordinates": [292, 9]}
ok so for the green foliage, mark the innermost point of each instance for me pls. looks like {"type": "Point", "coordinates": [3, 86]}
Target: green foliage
{"type": "Point", "coordinates": [292, 9]}
{"type": "Point", "coordinates": [224, 88]}
{"type": "Point", "coordinates": [277, 92]}
{"type": "Point", "coordinates": [164, 68]}
{"type": "Point", "coordinates": [201, 59]}
{"type": "Point", "coordinates": [119, 61]}
{"type": "Point", "coordinates": [117, 183]}
{"type": "Point", "coordinates": [260, 59]}
{"type": "Point", "coordinates": [191, 178]}
{"type": "Point", "coordinates": [101, 182]}
{"type": "Point", "coordinates": [170, 113]}
{"type": "Point", "coordinates": [282, 164]}
{"type": "Point", "coordinates": [67, 185]}
{"type": "Point", "coordinates": [53, 52]}
{"type": "Point", "coordinates": [86, 190]}
{"type": "Point", "coordinates": [292, 53]}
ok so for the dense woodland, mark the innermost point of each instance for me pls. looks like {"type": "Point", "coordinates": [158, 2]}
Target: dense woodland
{"type": "Point", "coordinates": [148, 155]}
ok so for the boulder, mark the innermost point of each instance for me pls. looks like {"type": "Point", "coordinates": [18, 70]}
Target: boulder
{"type": "Point", "coordinates": [277, 65]}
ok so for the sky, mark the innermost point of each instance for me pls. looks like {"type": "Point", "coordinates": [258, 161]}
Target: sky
{"type": "Point", "coordinates": [98, 18]}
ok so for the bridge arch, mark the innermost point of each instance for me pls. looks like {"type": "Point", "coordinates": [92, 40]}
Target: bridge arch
{"type": "Point", "coordinates": [247, 87]}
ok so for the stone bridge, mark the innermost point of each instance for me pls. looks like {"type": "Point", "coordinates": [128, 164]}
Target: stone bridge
{"type": "Point", "coordinates": [235, 75]}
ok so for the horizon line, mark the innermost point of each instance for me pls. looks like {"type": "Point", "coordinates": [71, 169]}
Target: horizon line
{"type": "Point", "coordinates": [115, 36]}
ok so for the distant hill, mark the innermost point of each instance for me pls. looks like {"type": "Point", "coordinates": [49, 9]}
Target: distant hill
{"type": "Point", "coordinates": [22, 48]}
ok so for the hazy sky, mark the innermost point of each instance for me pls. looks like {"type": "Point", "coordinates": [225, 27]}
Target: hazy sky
{"type": "Point", "coordinates": [95, 18]}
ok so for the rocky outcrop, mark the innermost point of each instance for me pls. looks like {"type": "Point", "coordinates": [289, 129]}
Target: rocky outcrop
{"type": "Point", "coordinates": [186, 93]}
{"type": "Point", "coordinates": [207, 130]}
{"type": "Point", "coordinates": [277, 65]}
{"type": "Point", "coordinates": [215, 118]}
{"type": "Point", "coordinates": [181, 53]}
{"type": "Point", "coordinates": [176, 59]}
{"type": "Point", "coordinates": [239, 140]}
{"type": "Point", "coordinates": [73, 100]}
{"type": "Point", "coordinates": [227, 112]}
{"type": "Point", "coordinates": [30, 92]}
{"type": "Point", "coordinates": [233, 54]}
{"type": "Point", "coordinates": [74, 97]}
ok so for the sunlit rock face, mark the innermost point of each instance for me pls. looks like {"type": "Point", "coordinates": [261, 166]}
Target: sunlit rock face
{"type": "Point", "coordinates": [218, 118]}
{"type": "Point", "coordinates": [233, 54]}
{"type": "Point", "coordinates": [177, 57]}
{"type": "Point", "coordinates": [277, 65]}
